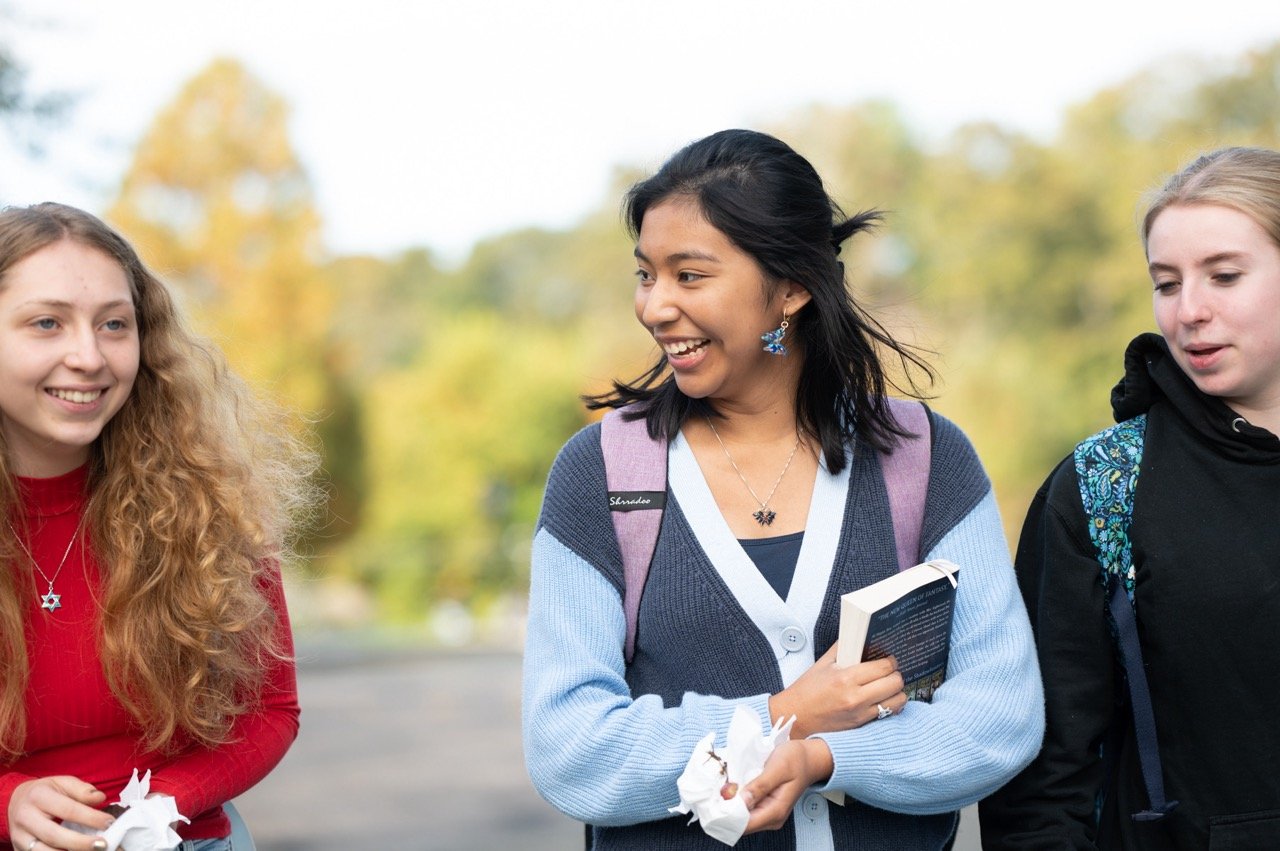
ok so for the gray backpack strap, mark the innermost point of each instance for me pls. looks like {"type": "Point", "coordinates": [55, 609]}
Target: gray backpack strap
{"type": "Point", "coordinates": [635, 468]}
{"type": "Point", "coordinates": [906, 477]}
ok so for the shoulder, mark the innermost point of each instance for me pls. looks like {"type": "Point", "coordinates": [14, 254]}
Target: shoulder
{"type": "Point", "coordinates": [1117, 444]}
{"type": "Point", "coordinates": [1058, 517]}
{"type": "Point", "coordinates": [957, 482]}
{"type": "Point", "coordinates": [580, 454]}
{"type": "Point", "coordinates": [956, 474]}
{"type": "Point", "coordinates": [577, 475]}
{"type": "Point", "coordinates": [1061, 489]}
{"type": "Point", "coordinates": [575, 505]}
{"type": "Point", "coordinates": [1106, 465]}
{"type": "Point", "coordinates": [951, 455]}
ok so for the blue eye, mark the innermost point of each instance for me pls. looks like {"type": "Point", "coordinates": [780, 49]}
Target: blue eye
{"type": "Point", "coordinates": [115, 325]}
{"type": "Point", "coordinates": [46, 324]}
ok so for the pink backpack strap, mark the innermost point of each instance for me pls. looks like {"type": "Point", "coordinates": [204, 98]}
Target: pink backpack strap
{"type": "Point", "coordinates": [635, 469]}
{"type": "Point", "coordinates": [636, 479]}
{"type": "Point", "coordinates": [906, 477]}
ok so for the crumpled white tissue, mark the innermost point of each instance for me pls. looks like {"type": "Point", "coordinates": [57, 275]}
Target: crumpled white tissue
{"type": "Point", "coordinates": [740, 762]}
{"type": "Point", "coordinates": [145, 823]}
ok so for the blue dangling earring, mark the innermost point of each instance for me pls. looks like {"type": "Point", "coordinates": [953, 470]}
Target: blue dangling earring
{"type": "Point", "coordinates": [773, 340]}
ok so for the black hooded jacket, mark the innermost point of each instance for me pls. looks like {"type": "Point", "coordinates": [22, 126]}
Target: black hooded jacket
{"type": "Point", "coordinates": [1206, 549]}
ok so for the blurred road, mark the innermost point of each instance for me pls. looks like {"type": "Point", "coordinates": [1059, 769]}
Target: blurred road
{"type": "Point", "coordinates": [416, 751]}
{"type": "Point", "coordinates": [406, 752]}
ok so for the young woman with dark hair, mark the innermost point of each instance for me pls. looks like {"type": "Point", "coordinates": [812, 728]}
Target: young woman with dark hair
{"type": "Point", "coordinates": [769, 389]}
{"type": "Point", "coordinates": [147, 499]}
{"type": "Point", "coordinates": [771, 204]}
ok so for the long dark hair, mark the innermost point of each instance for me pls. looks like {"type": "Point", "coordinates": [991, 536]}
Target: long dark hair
{"type": "Point", "coordinates": [770, 202]}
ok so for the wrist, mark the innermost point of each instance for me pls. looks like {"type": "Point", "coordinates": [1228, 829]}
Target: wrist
{"type": "Point", "coordinates": [819, 760]}
{"type": "Point", "coordinates": [780, 709]}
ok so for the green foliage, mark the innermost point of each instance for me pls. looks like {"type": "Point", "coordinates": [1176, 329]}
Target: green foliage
{"type": "Point", "coordinates": [1018, 260]}
{"type": "Point", "coordinates": [460, 442]}
{"type": "Point", "coordinates": [384, 309]}
{"type": "Point", "coordinates": [445, 393]}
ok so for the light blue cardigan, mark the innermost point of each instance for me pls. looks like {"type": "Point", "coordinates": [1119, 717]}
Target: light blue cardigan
{"type": "Point", "coordinates": [604, 756]}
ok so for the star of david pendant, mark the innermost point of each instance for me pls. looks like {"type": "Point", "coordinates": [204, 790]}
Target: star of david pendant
{"type": "Point", "coordinates": [51, 602]}
{"type": "Point", "coordinates": [764, 517]}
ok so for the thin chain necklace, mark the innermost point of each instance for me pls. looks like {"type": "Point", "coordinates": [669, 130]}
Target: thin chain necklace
{"type": "Point", "coordinates": [765, 515]}
{"type": "Point", "coordinates": [50, 601]}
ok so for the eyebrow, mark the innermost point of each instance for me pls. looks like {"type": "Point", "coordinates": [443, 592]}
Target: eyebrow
{"type": "Point", "coordinates": [680, 256]}
{"type": "Point", "coordinates": [1220, 257]}
{"type": "Point", "coordinates": [54, 302]}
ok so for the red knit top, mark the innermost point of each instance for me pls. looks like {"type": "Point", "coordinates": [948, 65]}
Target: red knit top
{"type": "Point", "coordinates": [76, 726]}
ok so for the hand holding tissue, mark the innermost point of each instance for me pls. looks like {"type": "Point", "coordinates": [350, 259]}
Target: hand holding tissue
{"type": "Point", "coordinates": [145, 824]}
{"type": "Point", "coordinates": [710, 783]}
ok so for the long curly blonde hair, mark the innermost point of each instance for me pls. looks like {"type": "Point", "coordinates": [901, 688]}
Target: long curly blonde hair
{"type": "Point", "coordinates": [199, 487]}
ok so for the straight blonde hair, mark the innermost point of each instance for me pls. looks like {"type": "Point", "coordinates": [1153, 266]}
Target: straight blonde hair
{"type": "Point", "coordinates": [1244, 179]}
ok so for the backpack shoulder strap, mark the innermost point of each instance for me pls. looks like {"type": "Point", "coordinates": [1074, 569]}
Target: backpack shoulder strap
{"type": "Point", "coordinates": [635, 467]}
{"type": "Point", "coordinates": [636, 480]}
{"type": "Point", "coordinates": [906, 477]}
{"type": "Point", "coordinates": [1107, 466]}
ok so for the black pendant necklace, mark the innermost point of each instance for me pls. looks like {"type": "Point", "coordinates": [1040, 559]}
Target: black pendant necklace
{"type": "Point", "coordinates": [764, 515]}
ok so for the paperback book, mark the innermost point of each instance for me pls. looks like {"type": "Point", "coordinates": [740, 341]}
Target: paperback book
{"type": "Point", "coordinates": [907, 616]}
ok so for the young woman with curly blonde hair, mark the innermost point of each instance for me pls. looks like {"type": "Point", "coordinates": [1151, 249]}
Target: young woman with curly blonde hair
{"type": "Point", "coordinates": [147, 499]}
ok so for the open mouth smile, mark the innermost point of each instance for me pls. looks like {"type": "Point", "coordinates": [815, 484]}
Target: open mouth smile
{"type": "Point", "coordinates": [681, 348]}
{"type": "Point", "coordinates": [79, 397]}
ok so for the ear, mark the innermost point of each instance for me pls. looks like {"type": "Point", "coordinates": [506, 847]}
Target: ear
{"type": "Point", "coordinates": [794, 297]}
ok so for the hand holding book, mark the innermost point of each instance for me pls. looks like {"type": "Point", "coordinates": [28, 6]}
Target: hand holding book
{"type": "Point", "coordinates": [907, 616]}
{"type": "Point", "coordinates": [827, 698]}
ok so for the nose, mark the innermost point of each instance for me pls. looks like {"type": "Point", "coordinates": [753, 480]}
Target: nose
{"type": "Point", "coordinates": [1193, 304]}
{"type": "Point", "coordinates": [654, 304]}
{"type": "Point", "coordinates": [84, 353]}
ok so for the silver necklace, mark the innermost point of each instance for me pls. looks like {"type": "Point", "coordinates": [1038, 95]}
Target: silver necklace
{"type": "Point", "coordinates": [50, 601]}
{"type": "Point", "coordinates": [765, 515]}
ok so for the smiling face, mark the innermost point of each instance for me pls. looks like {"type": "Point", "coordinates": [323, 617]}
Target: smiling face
{"type": "Point", "coordinates": [69, 353]}
{"type": "Point", "coordinates": [707, 303]}
{"type": "Point", "coordinates": [1217, 303]}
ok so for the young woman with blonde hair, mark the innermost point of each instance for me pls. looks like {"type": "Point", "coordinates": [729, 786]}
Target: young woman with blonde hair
{"type": "Point", "coordinates": [1189, 761]}
{"type": "Point", "coordinates": [147, 500]}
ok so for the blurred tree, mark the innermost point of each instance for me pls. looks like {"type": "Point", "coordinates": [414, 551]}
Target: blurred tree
{"type": "Point", "coordinates": [460, 443]}
{"type": "Point", "coordinates": [217, 202]}
{"type": "Point", "coordinates": [386, 310]}
{"type": "Point", "coordinates": [548, 277]}
{"type": "Point", "coordinates": [445, 392]}
{"type": "Point", "coordinates": [1031, 260]}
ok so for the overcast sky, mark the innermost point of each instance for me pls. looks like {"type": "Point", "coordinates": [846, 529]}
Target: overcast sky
{"type": "Point", "coordinates": [438, 122]}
